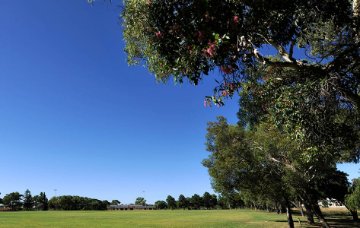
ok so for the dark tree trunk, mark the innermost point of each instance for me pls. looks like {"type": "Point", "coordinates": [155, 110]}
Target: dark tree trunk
{"type": "Point", "coordinates": [309, 214]}
{"type": "Point", "coordinates": [354, 214]}
{"type": "Point", "coordinates": [320, 215]}
{"type": "Point", "coordinates": [289, 216]}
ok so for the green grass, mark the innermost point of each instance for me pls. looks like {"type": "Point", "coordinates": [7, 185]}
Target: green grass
{"type": "Point", "coordinates": [176, 218]}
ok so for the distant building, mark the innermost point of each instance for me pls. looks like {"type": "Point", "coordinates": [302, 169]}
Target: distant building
{"type": "Point", "coordinates": [330, 203]}
{"type": "Point", "coordinates": [3, 208]}
{"type": "Point", "coordinates": [123, 207]}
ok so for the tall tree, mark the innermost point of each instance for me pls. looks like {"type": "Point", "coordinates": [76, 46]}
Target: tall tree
{"type": "Point", "coordinates": [43, 201]}
{"type": "Point", "coordinates": [207, 198]}
{"type": "Point", "coordinates": [310, 83]}
{"type": "Point", "coordinates": [13, 200]}
{"type": "Point", "coordinates": [352, 200]}
{"type": "Point", "coordinates": [196, 201]}
{"type": "Point", "coordinates": [171, 202]}
{"type": "Point", "coordinates": [28, 200]}
{"type": "Point", "coordinates": [160, 204]}
{"type": "Point", "coordinates": [268, 168]}
{"type": "Point", "coordinates": [140, 201]}
{"type": "Point", "coordinates": [183, 202]}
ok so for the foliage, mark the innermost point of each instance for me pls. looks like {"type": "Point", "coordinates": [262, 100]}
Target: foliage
{"type": "Point", "coordinates": [41, 202]}
{"type": "Point", "coordinates": [353, 199]}
{"type": "Point", "coordinates": [268, 169]}
{"type": "Point", "coordinates": [115, 202]}
{"type": "Point", "coordinates": [182, 202]}
{"type": "Point", "coordinates": [28, 200]}
{"type": "Point", "coordinates": [196, 202]}
{"type": "Point", "coordinates": [76, 203]}
{"type": "Point", "coordinates": [160, 204]}
{"type": "Point", "coordinates": [13, 200]}
{"type": "Point", "coordinates": [140, 201]}
{"type": "Point", "coordinates": [171, 202]}
{"type": "Point", "coordinates": [210, 201]}
{"type": "Point", "coordinates": [309, 82]}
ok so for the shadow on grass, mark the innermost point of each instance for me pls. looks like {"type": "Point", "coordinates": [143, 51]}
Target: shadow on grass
{"type": "Point", "coordinates": [340, 221]}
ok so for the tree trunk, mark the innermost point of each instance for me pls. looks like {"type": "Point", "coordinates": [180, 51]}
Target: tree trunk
{"type": "Point", "coordinates": [309, 214]}
{"type": "Point", "coordinates": [320, 215]}
{"type": "Point", "coordinates": [289, 216]}
{"type": "Point", "coordinates": [354, 214]}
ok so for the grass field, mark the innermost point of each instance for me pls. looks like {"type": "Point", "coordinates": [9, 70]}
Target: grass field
{"type": "Point", "coordinates": [176, 218]}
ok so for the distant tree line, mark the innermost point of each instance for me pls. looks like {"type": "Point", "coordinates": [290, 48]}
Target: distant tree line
{"type": "Point", "coordinates": [195, 202]}
{"type": "Point", "coordinates": [77, 203]}
{"type": "Point", "coordinates": [15, 201]}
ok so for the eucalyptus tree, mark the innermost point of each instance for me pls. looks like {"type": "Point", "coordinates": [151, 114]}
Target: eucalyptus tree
{"type": "Point", "coordinates": [182, 202]}
{"type": "Point", "coordinates": [13, 200]}
{"type": "Point", "coordinates": [171, 202]}
{"type": "Point", "coordinates": [352, 200]}
{"type": "Point", "coordinates": [309, 80]}
{"type": "Point", "coordinates": [140, 201]}
{"type": "Point", "coordinates": [269, 169]}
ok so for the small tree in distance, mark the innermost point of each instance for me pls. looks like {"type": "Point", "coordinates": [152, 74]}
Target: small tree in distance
{"type": "Point", "coordinates": [140, 201]}
{"type": "Point", "coordinates": [183, 202]}
{"type": "Point", "coordinates": [160, 204]}
{"type": "Point", "coordinates": [171, 202]}
{"type": "Point", "coordinates": [28, 200]}
{"type": "Point", "coordinates": [115, 202]}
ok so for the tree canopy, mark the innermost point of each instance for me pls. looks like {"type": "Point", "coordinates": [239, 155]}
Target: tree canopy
{"type": "Point", "coordinates": [353, 199]}
{"type": "Point", "coordinates": [294, 64]}
{"type": "Point", "coordinates": [269, 170]}
{"type": "Point", "coordinates": [297, 61]}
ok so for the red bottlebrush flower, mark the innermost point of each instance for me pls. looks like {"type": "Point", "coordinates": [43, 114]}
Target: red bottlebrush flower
{"type": "Point", "coordinates": [236, 19]}
{"type": "Point", "coordinates": [210, 51]}
{"type": "Point", "coordinates": [158, 34]}
{"type": "Point", "coordinates": [224, 93]}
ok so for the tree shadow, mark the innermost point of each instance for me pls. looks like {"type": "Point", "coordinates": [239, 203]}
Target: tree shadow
{"type": "Point", "coordinates": [338, 221]}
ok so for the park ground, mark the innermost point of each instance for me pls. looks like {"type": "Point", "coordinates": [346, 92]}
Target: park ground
{"type": "Point", "coordinates": [162, 218]}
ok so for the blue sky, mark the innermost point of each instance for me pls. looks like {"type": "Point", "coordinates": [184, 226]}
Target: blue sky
{"type": "Point", "coordinates": [76, 118]}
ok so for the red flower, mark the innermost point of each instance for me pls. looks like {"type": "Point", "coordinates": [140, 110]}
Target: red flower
{"type": "Point", "coordinates": [158, 34]}
{"type": "Point", "coordinates": [236, 19]}
{"type": "Point", "coordinates": [210, 51]}
{"type": "Point", "coordinates": [224, 93]}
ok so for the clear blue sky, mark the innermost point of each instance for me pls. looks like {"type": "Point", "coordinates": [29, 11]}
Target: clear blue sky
{"type": "Point", "coordinates": [76, 118]}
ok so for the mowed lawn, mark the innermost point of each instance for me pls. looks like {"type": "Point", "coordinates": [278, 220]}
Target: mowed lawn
{"type": "Point", "coordinates": [167, 218]}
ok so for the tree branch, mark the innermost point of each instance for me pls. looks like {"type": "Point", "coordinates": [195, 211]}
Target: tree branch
{"type": "Point", "coordinates": [286, 56]}
{"type": "Point", "coordinates": [266, 61]}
